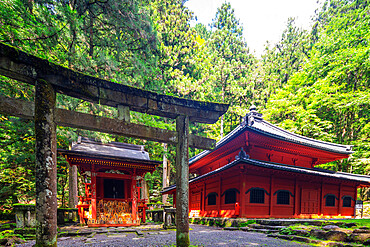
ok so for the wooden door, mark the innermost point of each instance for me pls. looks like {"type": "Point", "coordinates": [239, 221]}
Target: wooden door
{"type": "Point", "coordinates": [195, 201]}
{"type": "Point", "coordinates": [310, 201]}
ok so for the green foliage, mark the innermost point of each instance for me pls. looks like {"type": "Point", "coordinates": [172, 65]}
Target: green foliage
{"type": "Point", "coordinates": [225, 66]}
{"type": "Point", "coordinates": [177, 46]}
{"type": "Point", "coordinates": [359, 222]}
{"type": "Point", "coordinates": [8, 226]}
{"type": "Point", "coordinates": [280, 62]}
{"type": "Point", "coordinates": [248, 222]}
{"type": "Point", "coordinates": [287, 231]}
{"type": "Point", "coordinates": [110, 39]}
{"type": "Point", "coordinates": [8, 234]}
{"type": "Point", "coordinates": [219, 223]}
{"type": "Point", "coordinates": [328, 98]}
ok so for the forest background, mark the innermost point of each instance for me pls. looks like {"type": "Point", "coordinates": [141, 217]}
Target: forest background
{"type": "Point", "coordinates": [313, 82]}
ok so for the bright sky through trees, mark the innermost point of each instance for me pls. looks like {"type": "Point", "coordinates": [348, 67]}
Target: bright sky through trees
{"type": "Point", "coordinates": [262, 19]}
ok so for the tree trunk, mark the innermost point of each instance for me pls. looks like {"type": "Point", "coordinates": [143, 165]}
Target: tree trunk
{"type": "Point", "coordinates": [222, 127]}
{"type": "Point", "coordinates": [165, 173]}
{"type": "Point", "coordinates": [91, 41]}
{"type": "Point", "coordinates": [73, 193]}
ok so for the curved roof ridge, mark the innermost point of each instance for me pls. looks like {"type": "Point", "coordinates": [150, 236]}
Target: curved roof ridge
{"type": "Point", "coordinates": [305, 137]}
{"type": "Point", "coordinates": [272, 130]}
{"type": "Point", "coordinates": [219, 144]}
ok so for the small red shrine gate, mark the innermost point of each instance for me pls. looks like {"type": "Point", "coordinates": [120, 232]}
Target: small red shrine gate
{"type": "Point", "coordinates": [262, 171]}
{"type": "Point", "coordinates": [113, 174]}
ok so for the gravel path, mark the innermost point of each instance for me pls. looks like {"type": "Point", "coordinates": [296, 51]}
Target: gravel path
{"type": "Point", "coordinates": [199, 236]}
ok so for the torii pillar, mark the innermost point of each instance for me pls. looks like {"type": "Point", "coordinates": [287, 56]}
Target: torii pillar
{"type": "Point", "coordinates": [182, 181]}
{"type": "Point", "coordinates": [46, 164]}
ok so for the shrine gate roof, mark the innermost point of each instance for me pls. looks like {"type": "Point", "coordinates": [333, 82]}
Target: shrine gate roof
{"type": "Point", "coordinates": [362, 179]}
{"type": "Point", "coordinates": [254, 122]}
{"type": "Point", "coordinates": [114, 151]}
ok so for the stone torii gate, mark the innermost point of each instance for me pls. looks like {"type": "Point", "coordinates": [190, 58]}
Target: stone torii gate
{"type": "Point", "coordinates": [50, 79]}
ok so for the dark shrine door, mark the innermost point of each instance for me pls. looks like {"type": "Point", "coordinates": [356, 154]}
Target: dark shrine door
{"type": "Point", "coordinates": [310, 201]}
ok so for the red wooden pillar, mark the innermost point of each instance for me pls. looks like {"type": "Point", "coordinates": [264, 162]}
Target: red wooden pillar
{"type": "Point", "coordinates": [354, 207]}
{"type": "Point", "coordinates": [93, 194]}
{"type": "Point", "coordinates": [321, 201]}
{"type": "Point", "coordinates": [243, 186]}
{"type": "Point", "coordinates": [339, 200]}
{"type": "Point", "coordinates": [271, 196]}
{"type": "Point", "coordinates": [296, 198]}
{"type": "Point", "coordinates": [201, 202]}
{"type": "Point", "coordinates": [134, 198]}
{"type": "Point", "coordinates": [219, 195]}
{"type": "Point", "coordinates": [189, 199]}
{"type": "Point", "coordinates": [204, 199]}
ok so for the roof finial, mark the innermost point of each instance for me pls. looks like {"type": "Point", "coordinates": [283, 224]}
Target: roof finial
{"type": "Point", "coordinates": [253, 108]}
{"type": "Point", "coordinates": [251, 116]}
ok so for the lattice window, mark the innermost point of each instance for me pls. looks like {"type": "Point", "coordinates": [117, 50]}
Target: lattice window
{"type": "Point", "coordinates": [283, 198]}
{"type": "Point", "coordinates": [330, 201]}
{"type": "Point", "coordinates": [230, 197]}
{"type": "Point", "coordinates": [257, 196]}
{"type": "Point", "coordinates": [347, 201]}
{"type": "Point", "coordinates": [211, 199]}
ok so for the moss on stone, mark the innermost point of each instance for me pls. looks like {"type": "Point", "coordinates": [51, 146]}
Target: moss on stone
{"type": "Point", "coordinates": [182, 239]}
{"type": "Point", "coordinates": [25, 207]}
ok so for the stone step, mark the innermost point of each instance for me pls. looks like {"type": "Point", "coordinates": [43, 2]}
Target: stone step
{"type": "Point", "coordinates": [313, 241]}
{"type": "Point", "coordinates": [231, 228]}
{"type": "Point", "coordinates": [295, 238]}
{"type": "Point", "coordinates": [74, 233]}
{"type": "Point", "coordinates": [288, 222]}
{"type": "Point", "coordinates": [258, 226]}
{"type": "Point", "coordinates": [266, 231]}
{"type": "Point", "coordinates": [302, 233]}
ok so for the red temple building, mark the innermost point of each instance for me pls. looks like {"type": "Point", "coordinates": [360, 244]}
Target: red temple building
{"type": "Point", "coordinates": [262, 171]}
{"type": "Point", "coordinates": [112, 173]}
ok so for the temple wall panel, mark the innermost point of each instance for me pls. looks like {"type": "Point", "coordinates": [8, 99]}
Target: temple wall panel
{"type": "Point", "coordinates": [266, 154]}
{"type": "Point", "coordinates": [279, 210]}
{"type": "Point", "coordinates": [348, 191]}
{"type": "Point", "coordinates": [327, 190]}
{"type": "Point", "coordinates": [230, 182]}
{"type": "Point", "coordinates": [257, 209]}
{"type": "Point", "coordinates": [212, 186]}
